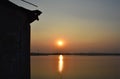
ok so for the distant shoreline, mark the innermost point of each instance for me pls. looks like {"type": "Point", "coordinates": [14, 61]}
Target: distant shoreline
{"type": "Point", "coordinates": [76, 54]}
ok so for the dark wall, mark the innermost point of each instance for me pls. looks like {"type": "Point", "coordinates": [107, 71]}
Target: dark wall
{"type": "Point", "coordinates": [14, 43]}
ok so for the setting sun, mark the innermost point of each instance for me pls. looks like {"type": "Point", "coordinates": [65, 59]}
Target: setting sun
{"type": "Point", "coordinates": [60, 43]}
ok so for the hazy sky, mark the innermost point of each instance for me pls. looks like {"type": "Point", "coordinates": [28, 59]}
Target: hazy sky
{"type": "Point", "coordinates": [84, 25]}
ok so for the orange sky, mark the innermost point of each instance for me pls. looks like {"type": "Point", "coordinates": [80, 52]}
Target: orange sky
{"type": "Point", "coordinates": [84, 25]}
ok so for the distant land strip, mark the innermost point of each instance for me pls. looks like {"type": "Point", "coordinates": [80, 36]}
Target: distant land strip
{"type": "Point", "coordinates": [79, 54]}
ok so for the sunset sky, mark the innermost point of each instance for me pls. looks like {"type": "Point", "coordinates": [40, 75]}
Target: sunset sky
{"type": "Point", "coordinates": [83, 25]}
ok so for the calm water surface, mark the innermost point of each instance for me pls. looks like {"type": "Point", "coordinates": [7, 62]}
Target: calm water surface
{"type": "Point", "coordinates": [75, 67]}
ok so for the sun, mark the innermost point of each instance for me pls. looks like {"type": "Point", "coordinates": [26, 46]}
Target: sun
{"type": "Point", "coordinates": [60, 43]}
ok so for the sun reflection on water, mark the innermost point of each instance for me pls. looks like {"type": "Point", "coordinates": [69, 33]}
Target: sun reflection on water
{"type": "Point", "coordinates": [60, 63]}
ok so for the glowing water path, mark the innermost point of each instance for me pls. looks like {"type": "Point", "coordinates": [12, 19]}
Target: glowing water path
{"type": "Point", "coordinates": [60, 65]}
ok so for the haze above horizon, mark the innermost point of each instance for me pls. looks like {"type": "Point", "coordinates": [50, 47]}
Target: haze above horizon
{"type": "Point", "coordinates": [84, 25]}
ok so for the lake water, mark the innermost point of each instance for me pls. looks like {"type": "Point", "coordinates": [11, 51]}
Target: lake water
{"type": "Point", "coordinates": [75, 67]}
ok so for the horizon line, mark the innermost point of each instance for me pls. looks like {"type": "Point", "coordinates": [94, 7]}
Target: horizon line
{"type": "Point", "coordinates": [81, 54]}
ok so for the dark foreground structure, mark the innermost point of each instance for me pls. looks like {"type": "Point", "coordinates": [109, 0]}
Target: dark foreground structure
{"type": "Point", "coordinates": [15, 40]}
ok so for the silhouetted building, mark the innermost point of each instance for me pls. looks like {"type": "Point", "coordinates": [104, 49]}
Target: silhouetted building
{"type": "Point", "coordinates": [15, 40]}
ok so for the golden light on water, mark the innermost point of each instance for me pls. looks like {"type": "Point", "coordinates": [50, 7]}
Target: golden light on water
{"type": "Point", "coordinates": [60, 63]}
